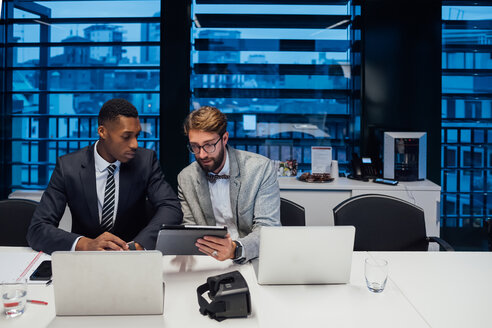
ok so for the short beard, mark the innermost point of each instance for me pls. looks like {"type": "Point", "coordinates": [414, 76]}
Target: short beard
{"type": "Point", "coordinates": [215, 162]}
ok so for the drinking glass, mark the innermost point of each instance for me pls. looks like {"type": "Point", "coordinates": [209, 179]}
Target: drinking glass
{"type": "Point", "coordinates": [376, 273]}
{"type": "Point", "coordinates": [14, 295]}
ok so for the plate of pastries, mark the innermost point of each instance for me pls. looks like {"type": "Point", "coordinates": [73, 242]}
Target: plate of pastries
{"type": "Point", "coordinates": [315, 177]}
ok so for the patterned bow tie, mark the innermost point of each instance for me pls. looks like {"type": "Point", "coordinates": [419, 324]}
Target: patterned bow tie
{"type": "Point", "coordinates": [213, 177]}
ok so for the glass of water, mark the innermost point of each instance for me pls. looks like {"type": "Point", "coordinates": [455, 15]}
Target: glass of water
{"type": "Point", "coordinates": [376, 273]}
{"type": "Point", "coordinates": [14, 295]}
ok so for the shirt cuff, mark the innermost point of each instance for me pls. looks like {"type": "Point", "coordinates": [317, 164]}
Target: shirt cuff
{"type": "Point", "coordinates": [75, 243]}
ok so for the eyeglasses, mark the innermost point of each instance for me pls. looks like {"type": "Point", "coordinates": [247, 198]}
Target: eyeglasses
{"type": "Point", "coordinates": [208, 148]}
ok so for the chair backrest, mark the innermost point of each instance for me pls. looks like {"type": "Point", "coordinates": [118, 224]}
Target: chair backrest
{"type": "Point", "coordinates": [291, 214]}
{"type": "Point", "coordinates": [383, 223]}
{"type": "Point", "coordinates": [15, 217]}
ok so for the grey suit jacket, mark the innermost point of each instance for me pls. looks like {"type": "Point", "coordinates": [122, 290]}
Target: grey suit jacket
{"type": "Point", "coordinates": [255, 197]}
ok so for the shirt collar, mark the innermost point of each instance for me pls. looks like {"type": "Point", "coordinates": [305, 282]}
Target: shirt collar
{"type": "Point", "coordinates": [101, 163]}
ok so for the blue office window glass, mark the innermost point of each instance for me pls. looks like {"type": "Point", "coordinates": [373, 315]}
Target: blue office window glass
{"type": "Point", "coordinates": [479, 136]}
{"type": "Point", "coordinates": [477, 204]}
{"type": "Point", "coordinates": [478, 180]}
{"type": "Point", "coordinates": [68, 58]}
{"type": "Point", "coordinates": [466, 89]}
{"type": "Point", "coordinates": [465, 136]}
{"type": "Point", "coordinates": [449, 204]}
{"type": "Point", "coordinates": [298, 78]}
{"type": "Point", "coordinates": [466, 181]}
{"type": "Point", "coordinates": [489, 205]}
{"type": "Point", "coordinates": [451, 180]}
{"type": "Point", "coordinates": [452, 136]}
{"type": "Point", "coordinates": [450, 156]}
{"type": "Point", "coordinates": [489, 181]}
{"type": "Point", "coordinates": [465, 206]}
{"type": "Point", "coordinates": [87, 55]}
{"type": "Point", "coordinates": [466, 109]}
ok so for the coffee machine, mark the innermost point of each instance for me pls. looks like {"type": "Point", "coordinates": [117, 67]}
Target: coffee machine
{"type": "Point", "coordinates": [405, 156]}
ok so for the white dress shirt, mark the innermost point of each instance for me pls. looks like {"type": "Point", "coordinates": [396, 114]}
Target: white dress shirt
{"type": "Point", "coordinates": [101, 166]}
{"type": "Point", "coordinates": [221, 201]}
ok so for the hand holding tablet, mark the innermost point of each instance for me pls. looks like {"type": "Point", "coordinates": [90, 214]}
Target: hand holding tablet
{"type": "Point", "coordinates": [220, 248]}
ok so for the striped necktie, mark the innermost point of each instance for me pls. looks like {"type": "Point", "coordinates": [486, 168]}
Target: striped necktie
{"type": "Point", "coordinates": [108, 207]}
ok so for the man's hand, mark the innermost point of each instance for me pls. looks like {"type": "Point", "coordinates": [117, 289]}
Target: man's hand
{"type": "Point", "coordinates": [104, 242]}
{"type": "Point", "coordinates": [220, 248]}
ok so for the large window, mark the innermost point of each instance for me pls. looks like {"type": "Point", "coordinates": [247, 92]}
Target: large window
{"type": "Point", "coordinates": [63, 60]}
{"type": "Point", "coordinates": [284, 72]}
{"type": "Point", "coordinates": [466, 114]}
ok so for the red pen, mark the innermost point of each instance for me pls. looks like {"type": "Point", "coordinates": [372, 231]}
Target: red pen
{"type": "Point", "coordinates": [37, 302]}
{"type": "Point", "coordinates": [28, 301]}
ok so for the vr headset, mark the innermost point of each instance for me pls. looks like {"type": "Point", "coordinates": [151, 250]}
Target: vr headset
{"type": "Point", "coordinates": [230, 297]}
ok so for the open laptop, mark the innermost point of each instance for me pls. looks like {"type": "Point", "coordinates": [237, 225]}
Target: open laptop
{"type": "Point", "coordinates": [108, 283]}
{"type": "Point", "coordinates": [305, 255]}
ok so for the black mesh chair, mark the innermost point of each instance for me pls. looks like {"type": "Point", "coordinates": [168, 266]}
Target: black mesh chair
{"type": "Point", "coordinates": [291, 214]}
{"type": "Point", "coordinates": [385, 223]}
{"type": "Point", "coordinates": [15, 217]}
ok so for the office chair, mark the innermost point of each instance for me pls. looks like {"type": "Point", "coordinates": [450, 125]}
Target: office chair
{"type": "Point", "coordinates": [291, 214]}
{"type": "Point", "coordinates": [385, 223]}
{"type": "Point", "coordinates": [15, 217]}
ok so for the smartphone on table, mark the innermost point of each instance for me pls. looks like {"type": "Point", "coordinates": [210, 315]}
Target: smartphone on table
{"type": "Point", "coordinates": [42, 272]}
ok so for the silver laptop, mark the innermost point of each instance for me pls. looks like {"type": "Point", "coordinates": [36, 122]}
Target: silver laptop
{"type": "Point", "coordinates": [305, 255]}
{"type": "Point", "coordinates": [108, 283]}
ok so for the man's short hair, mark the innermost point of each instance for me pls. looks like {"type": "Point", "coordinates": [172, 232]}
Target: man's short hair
{"type": "Point", "coordinates": [207, 119]}
{"type": "Point", "coordinates": [115, 107]}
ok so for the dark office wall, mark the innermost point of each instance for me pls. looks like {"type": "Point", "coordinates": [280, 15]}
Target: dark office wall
{"type": "Point", "coordinates": [175, 86]}
{"type": "Point", "coordinates": [401, 73]}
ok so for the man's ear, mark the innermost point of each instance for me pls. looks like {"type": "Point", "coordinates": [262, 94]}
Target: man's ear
{"type": "Point", "coordinates": [101, 130]}
{"type": "Point", "coordinates": [225, 138]}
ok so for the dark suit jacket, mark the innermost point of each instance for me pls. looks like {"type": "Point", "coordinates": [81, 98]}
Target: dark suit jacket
{"type": "Point", "coordinates": [74, 182]}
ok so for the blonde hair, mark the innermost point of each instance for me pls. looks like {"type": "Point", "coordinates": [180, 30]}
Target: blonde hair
{"type": "Point", "coordinates": [207, 119]}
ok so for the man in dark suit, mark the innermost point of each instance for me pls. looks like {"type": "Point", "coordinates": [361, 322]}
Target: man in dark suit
{"type": "Point", "coordinates": [105, 186]}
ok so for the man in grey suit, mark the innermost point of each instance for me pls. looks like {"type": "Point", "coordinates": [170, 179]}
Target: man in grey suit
{"type": "Point", "coordinates": [106, 186]}
{"type": "Point", "coordinates": [225, 186]}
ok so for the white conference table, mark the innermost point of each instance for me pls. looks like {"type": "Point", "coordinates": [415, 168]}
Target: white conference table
{"type": "Point", "coordinates": [448, 289]}
{"type": "Point", "coordinates": [425, 289]}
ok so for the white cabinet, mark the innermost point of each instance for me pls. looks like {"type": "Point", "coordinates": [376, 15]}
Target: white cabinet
{"type": "Point", "coordinates": [319, 199]}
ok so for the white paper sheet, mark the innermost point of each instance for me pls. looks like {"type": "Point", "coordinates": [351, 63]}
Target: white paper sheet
{"type": "Point", "coordinates": [321, 159]}
{"type": "Point", "coordinates": [13, 265]}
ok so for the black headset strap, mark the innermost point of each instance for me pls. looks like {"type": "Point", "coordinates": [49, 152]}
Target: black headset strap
{"type": "Point", "coordinates": [207, 308]}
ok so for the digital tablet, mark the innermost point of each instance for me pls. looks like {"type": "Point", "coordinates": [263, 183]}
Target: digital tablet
{"type": "Point", "coordinates": [181, 239]}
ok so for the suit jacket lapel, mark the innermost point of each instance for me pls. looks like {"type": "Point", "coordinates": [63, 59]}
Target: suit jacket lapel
{"type": "Point", "coordinates": [204, 198]}
{"type": "Point", "coordinates": [234, 183]}
{"type": "Point", "coordinates": [88, 181]}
